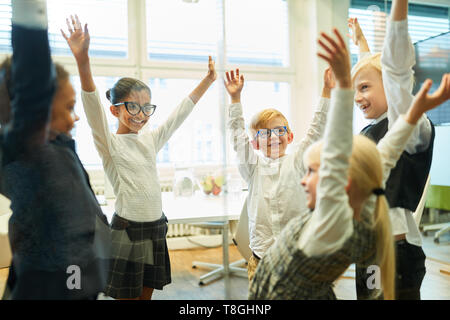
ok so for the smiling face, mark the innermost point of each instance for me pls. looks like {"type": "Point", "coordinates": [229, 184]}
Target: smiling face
{"type": "Point", "coordinates": [274, 146]}
{"type": "Point", "coordinates": [369, 93]}
{"type": "Point", "coordinates": [63, 116]}
{"type": "Point", "coordinates": [131, 123]}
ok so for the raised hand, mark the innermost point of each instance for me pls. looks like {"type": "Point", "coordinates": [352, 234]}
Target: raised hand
{"type": "Point", "coordinates": [357, 33]}
{"type": "Point", "coordinates": [329, 82]}
{"type": "Point", "coordinates": [424, 102]}
{"type": "Point", "coordinates": [337, 56]}
{"type": "Point", "coordinates": [212, 75]}
{"type": "Point", "coordinates": [78, 39]}
{"type": "Point", "coordinates": [234, 84]}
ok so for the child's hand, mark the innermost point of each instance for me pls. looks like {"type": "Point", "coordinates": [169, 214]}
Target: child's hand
{"type": "Point", "coordinates": [357, 34]}
{"type": "Point", "coordinates": [424, 102]}
{"type": "Point", "coordinates": [337, 56]}
{"type": "Point", "coordinates": [212, 75]}
{"type": "Point", "coordinates": [79, 39]}
{"type": "Point", "coordinates": [234, 85]}
{"type": "Point", "coordinates": [329, 82]}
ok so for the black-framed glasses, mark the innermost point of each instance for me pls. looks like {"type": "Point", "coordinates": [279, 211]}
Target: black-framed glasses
{"type": "Point", "coordinates": [266, 133]}
{"type": "Point", "coordinates": [133, 108]}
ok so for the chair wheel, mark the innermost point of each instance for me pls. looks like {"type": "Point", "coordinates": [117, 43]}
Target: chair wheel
{"type": "Point", "coordinates": [194, 267]}
{"type": "Point", "coordinates": [436, 240]}
{"type": "Point", "coordinates": [201, 283]}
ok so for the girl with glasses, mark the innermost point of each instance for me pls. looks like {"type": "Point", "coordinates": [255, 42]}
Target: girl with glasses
{"type": "Point", "coordinates": [140, 256]}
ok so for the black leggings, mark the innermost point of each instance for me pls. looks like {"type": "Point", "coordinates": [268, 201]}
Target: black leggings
{"type": "Point", "coordinates": [410, 271]}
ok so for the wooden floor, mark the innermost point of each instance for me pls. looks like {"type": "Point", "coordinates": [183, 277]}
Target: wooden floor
{"type": "Point", "coordinates": [184, 286]}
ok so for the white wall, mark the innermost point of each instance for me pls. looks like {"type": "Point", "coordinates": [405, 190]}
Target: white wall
{"type": "Point", "coordinates": [310, 17]}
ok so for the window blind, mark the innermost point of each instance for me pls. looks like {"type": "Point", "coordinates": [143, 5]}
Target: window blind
{"type": "Point", "coordinates": [424, 21]}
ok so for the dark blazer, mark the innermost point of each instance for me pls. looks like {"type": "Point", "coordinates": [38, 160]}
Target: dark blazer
{"type": "Point", "coordinates": [57, 222]}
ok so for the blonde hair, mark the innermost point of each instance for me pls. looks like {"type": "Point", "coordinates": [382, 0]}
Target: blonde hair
{"type": "Point", "coordinates": [366, 173]}
{"type": "Point", "coordinates": [261, 119]}
{"type": "Point", "coordinates": [372, 61]}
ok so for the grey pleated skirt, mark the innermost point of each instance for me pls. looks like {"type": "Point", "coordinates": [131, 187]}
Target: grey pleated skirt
{"type": "Point", "coordinates": [140, 257]}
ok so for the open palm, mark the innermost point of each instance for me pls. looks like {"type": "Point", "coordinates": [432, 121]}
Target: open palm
{"type": "Point", "coordinates": [234, 83]}
{"type": "Point", "coordinates": [429, 101]}
{"type": "Point", "coordinates": [78, 39]}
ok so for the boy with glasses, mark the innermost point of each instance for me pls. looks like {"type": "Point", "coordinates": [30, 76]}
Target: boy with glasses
{"type": "Point", "coordinates": [275, 193]}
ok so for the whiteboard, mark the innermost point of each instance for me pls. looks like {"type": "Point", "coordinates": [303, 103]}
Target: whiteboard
{"type": "Point", "coordinates": [440, 167]}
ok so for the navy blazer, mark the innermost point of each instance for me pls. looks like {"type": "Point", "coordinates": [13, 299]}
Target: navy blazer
{"type": "Point", "coordinates": [57, 222]}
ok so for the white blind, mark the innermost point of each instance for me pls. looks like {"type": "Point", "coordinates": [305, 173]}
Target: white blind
{"type": "Point", "coordinates": [424, 21]}
{"type": "Point", "coordinates": [109, 34]}
{"type": "Point", "coordinates": [256, 31]}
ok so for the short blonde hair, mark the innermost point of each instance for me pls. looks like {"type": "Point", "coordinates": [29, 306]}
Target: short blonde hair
{"type": "Point", "coordinates": [372, 61]}
{"type": "Point", "coordinates": [261, 119]}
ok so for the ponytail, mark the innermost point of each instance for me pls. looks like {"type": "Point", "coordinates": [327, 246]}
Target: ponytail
{"type": "Point", "coordinates": [385, 255]}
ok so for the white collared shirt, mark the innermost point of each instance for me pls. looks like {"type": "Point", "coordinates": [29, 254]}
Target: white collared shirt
{"type": "Point", "coordinates": [397, 61]}
{"type": "Point", "coordinates": [275, 193]}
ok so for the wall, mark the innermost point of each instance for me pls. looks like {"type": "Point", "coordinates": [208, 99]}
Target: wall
{"type": "Point", "coordinates": [310, 18]}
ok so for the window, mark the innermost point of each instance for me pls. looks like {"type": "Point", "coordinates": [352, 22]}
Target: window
{"type": "Point", "coordinates": [108, 40]}
{"type": "Point", "coordinates": [181, 30]}
{"type": "Point", "coordinates": [109, 34]}
{"type": "Point", "coordinates": [250, 39]}
{"type": "Point", "coordinates": [178, 35]}
{"type": "Point", "coordinates": [424, 21]}
{"type": "Point", "coordinates": [257, 32]}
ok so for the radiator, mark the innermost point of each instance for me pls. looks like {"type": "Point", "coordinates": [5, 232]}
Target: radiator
{"type": "Point", "coordinates": [183, 230]}
{"type": "Point", "coordinates": [175, 230]}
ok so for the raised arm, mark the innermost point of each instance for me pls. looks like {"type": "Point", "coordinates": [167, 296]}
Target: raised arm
{"type": "Point", "coordinates": [247, 157]}
{"type": "Point", "coordinates": [317, 126]}
{"type": "Point", "coordinates": [78, 41]}
{"type": "Point", "coordinates": [163, 133]}
{"type": "Point", "coordinates": [394, 142]}
{"type": "Point", "coordinates": [33, 84]}
{"type": "Point", "coordinates": [397, 61]}
{"type": "Point", "coordinates": [331, 223]}
{"type": "Point", "coordinates": [358, 37]}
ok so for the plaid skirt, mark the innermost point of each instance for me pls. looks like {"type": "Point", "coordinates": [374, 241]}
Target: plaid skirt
{"type": "Point", "coordinates": [140, 257]}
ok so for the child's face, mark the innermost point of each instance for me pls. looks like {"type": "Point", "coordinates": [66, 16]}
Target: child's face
{"type": "Point", "coordinates": [369, 96]}
{"type": "Point", "coordinates": [133, 123]}
{"type": "Point", "coordinates": [309, 183]}
{"type": "Point", "coordinates": [63, 116]}
{"type": "Point", "coordinates": [274, 146]}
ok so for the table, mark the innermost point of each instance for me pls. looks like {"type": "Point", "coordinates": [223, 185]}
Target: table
{"type": "Point", "coordinates": [203, 208]}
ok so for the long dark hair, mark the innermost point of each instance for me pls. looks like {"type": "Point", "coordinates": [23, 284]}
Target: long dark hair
{"type": "Point", "coordinates": [124, 87]}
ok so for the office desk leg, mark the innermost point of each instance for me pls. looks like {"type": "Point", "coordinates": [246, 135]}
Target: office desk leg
{"type": "Point", "coordinates": [225, 269]}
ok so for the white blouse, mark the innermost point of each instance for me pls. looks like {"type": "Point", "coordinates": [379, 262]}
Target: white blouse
{"type": "Point", "coordinates": [129, 160]}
